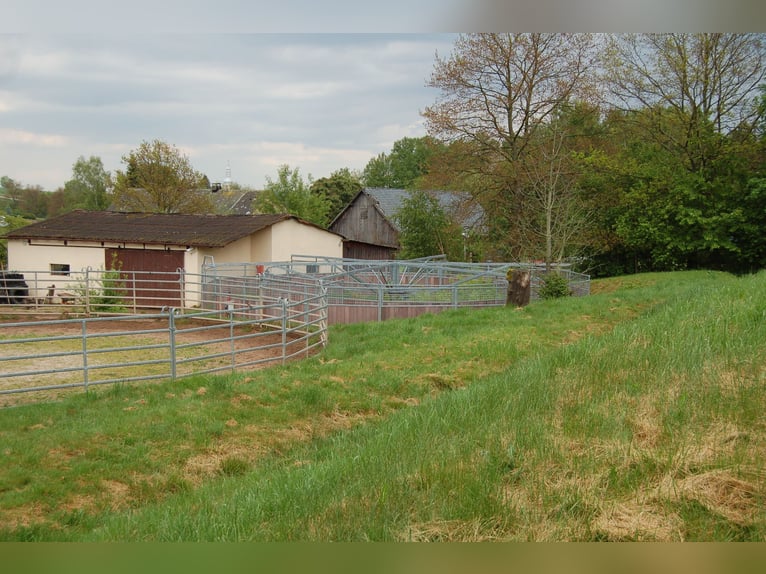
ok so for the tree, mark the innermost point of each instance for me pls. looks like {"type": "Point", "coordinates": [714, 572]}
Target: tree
{"type": "Point", "coordinates": [377, 172]}
{"type": "Point", "coordinates": [403, 167]}
{"type": "Point", "coordinates": [497, 92]}
{"type": "Point", "coordinates": [29, 201]}
{"type": "Point", "coordinates": [160, 179]}
{"type": "Point", "coordinates": [338, 189]}
{"type": "Point", "coordinates": [655, 214]}
{"type": "Point", "coordinates": [557, 213]}
{"type": "Point", "coordinates": [499, 88]}
{"type": "Point", "coordinates": [90, 186]}
{"type": "Point", "coordinates": [425, 229]}
{"type": "Point", "coordinates": [10, 193]}
{"type": "Point", "coordinates": [696, 86]}
{"type": "Point", "coordinates": [290, 194]}
{"type": "Point", "coordinates": [689, 106]}
{"type": "Point", "coordinates": [58, 203]}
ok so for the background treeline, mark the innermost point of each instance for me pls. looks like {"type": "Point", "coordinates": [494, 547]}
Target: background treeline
{"type": "Point", "coordinates": [618, 153]}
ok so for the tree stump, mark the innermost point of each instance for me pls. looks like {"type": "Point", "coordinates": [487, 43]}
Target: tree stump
{"type": "Point", "coordinates": [519, 288]}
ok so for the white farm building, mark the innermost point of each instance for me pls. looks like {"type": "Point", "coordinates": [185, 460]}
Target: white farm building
{"type": "Point", "coordinates": [160, 243]}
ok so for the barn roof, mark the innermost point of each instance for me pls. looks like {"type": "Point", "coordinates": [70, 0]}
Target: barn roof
{"type": "Point", "coordinates": [390, 200]}
{"type": "Point", "coordinates": [150, 228]}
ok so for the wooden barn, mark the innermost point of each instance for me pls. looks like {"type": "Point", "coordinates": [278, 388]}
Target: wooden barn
{"type": "Point", "coordinates": [368, 224]}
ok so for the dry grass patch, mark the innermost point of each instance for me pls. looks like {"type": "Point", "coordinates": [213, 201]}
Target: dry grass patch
{"type": "Point", "coordinates": [732, 380]}
{"type": "Point", "coordinates": [111, 495]}
{"type": "Point", "coordinates": [636, 521]}
{"type": "Point", "coordinates": [735, 495]}
{"type": "Point", "coordinates": [476, 530]}
{"type": "Point", "coordinates": [645, 424]}
{"type": "Point", "coordinates": [203, 466]}
{"type": "Point", "coordinates": [721, 492]}
{"type": "Point", "coordinates": [24, 516]}
{"type": "Point", "coordinates": [252, 442]}
{"type": "Point", "coordinates": [238, 400]}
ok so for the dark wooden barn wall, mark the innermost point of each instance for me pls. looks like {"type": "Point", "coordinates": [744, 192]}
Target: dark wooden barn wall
{"type": "Point", "coordinates": [362, 222]}
{"type": "Point", "coordinates": [356, 250]}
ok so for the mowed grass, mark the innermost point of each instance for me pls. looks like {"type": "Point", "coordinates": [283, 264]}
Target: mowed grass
{"type": "Point", "coordinates": [634, 414]}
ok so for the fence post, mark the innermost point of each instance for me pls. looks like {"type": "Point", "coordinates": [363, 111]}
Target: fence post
{"type": "Point", "coordinates": [172, 335]}
{"type": "Point", "coordinates": [182, 286]}
{"type": "Point", "coordinates": [231, 339]}
{"type": "Point", "coordinates": [85, 354]}
{"type": "Point", "coordinates": [284, 329]}
{"type": "Point", "coordinates": [380, 304]}
{"type": "Point", "coordinates": [324, 311]}
{"type": "Point", "coordinates": [87, 291]}
{"type": "Point", "coordinates": [36, 292]}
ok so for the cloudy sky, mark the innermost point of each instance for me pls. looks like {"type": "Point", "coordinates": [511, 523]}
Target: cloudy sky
{"type": "Point", "coordinates": [254, 101]}
{"type": "Point", "coordinates": [314, 85]}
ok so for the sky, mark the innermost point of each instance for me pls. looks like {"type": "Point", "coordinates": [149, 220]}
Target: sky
{"type": "Point", "coordinates": [317, 86]}
{"type": "Point", "coordinates": [250, 101]}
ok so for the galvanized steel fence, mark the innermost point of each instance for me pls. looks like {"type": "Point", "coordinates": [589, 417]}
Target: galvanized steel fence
{"type": "Point", "coordinates": [69, 353]}
{"type": "Point", "coordinates": [357, 290]}
{"type": "Point", "coordinates": [367, 290]}
{"type": "Point", "coordinates": [225, 318]}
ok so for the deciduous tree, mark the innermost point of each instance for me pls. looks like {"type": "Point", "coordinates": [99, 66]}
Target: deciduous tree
{"type": "Point", "coordinates": [160, 179]}
{"type": "Point", "coordinates": [338, 189]}
{"type": "Point", "coordinates": [289, 193]}
{"type": "Point", "coordinates": [90, 186]}
{"type": "Point", "coordinates": [697, 87]}
{"type": "Point", "coordinates": [557, 215]}
{"type": "Point", "coordinates": [425, 228]}
{"type": "Point", "coordinates": [403, 167]}
{"type": "Point", "coordinates": [29, 201]}
{"type": "Point", "coordinates": [497, 92]}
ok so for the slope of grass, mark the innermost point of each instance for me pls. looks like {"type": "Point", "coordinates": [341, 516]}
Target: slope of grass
{"type": "Point", "coordinates": [633, 414]}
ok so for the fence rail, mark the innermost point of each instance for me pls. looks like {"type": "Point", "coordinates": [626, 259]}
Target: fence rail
{"type": "Point", "coordinates": [394, 288]}
{"type": "Point", "coordinates": [229, 317]}
{"type": "Point", "coordinates": [70, 353]}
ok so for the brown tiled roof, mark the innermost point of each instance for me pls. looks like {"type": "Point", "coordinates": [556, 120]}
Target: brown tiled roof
{"type": "Point", "coordinates": [149, 228]}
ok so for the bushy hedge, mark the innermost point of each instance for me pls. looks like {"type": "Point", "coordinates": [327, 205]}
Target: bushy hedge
{"type": "Point", "coordinates": [554, 285]}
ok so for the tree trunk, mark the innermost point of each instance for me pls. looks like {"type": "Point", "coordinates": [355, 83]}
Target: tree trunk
{"type": "Point", "coordinates": [519, 288]}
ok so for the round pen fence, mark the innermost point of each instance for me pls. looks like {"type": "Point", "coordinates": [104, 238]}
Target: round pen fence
{"type": "Point", "coordinates": [372, 290]}
{"type": "Point", "coordinates": [116, 326]}
{"type": "Point", "coordinates": [356, 290]}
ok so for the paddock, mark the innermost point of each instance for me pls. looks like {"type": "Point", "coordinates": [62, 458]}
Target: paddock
{"type": "Point", "coordinates": [43, 358]}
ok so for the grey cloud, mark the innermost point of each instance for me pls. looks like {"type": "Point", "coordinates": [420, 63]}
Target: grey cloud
{"type": "Point", "coordinates": [307, 96]}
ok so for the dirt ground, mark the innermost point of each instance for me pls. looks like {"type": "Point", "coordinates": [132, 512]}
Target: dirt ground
{"type": "Point", "coordinates": [246, 350]}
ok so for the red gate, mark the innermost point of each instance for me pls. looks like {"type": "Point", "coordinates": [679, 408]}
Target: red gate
{"type": "Point", "coordinates": [151, 276]}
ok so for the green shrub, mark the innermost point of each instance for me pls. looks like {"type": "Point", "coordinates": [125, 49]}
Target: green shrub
{"type": "Point", "coordinates": [554, 286]}
{"type": "Point", "coordinates": [105, 294]}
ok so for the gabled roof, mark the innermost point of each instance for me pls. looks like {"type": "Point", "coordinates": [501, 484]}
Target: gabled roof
{"type": "Point", "coordinates": [389, 201]}
{"type": "Point", "coordinates": [234, 202]}
{"type": "Point", "coordinates": [150, 228]}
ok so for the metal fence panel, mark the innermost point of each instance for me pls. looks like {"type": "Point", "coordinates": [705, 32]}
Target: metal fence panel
{"type": "Point", "coordinates": [242, 304]}
{"type": "Point", "coordinates": [102, 350]}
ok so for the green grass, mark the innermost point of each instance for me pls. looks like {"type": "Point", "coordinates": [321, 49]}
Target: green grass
{"type": "Point", "coordinates": [632, 414]}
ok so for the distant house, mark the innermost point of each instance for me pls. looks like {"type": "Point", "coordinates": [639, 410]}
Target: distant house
{"type": "Point", "coordinates": [161, 243]}
{"type": "Point", "coordinates": [368, 221]}
{"type": "Point", "coordinates": [234, 202]}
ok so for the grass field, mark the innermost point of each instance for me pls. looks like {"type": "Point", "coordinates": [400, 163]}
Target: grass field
{"type": "Point", "coordinates": [636, 413]}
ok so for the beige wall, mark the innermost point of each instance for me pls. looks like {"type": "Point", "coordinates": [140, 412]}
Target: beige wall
{"type": "Point", "coordinates": [38, 259]}
{"type": "Point", "coordinates": [261, 243]}
{"type": "Point", "coordinates": [290, 238]}
{"type": "Point", "coordinates": [236, 252]}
